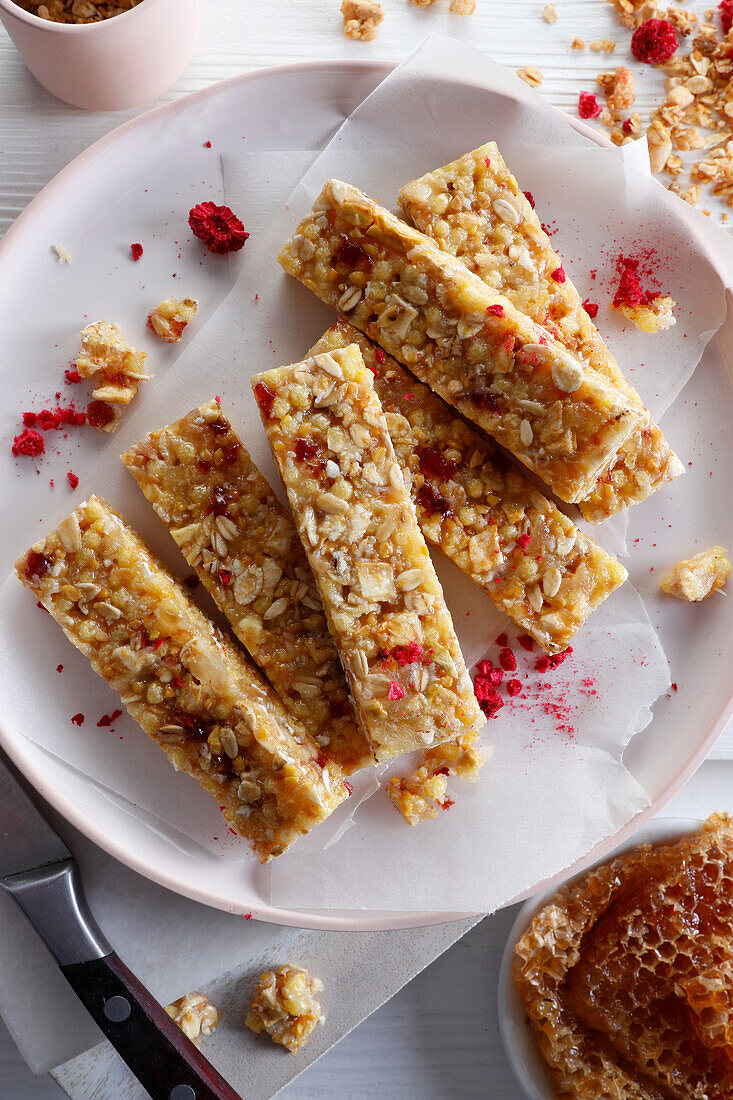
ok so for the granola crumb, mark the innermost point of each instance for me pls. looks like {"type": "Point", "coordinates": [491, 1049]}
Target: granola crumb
{"type": "Point", "coordinates": [285, 1006]}
{"type": "Point", "coordinates": [549, 13]}
{"type": "Point", "coordinates": [462, 7]}
{"type": "Point", "coordinates": [195, 1015]}
{"type": "Point", "coordinates": [76, 11]}
{"type": "Point", "coordinates": [531, 75]}
{"type": "Point", "coordinates": [422, 794]}
{"type": "Point", "coordinates": [596, 46]}
{"type": "Point", "coordinates": [170, 317]}
{"type": "Point", "coordinates": [655, 315]}
{"type": "Point", "coordinates": [619, 87]}
{"type": "Point", "coordinates": [105, 351]}
{"type": "Point", "coordinates": [577, 44]}
{"type": "Point", "coordinates": [61, 254]}
{"type": "Point", "coordinates": [361, 18]}
{"type": "Point", "coordinates": [692, 579]}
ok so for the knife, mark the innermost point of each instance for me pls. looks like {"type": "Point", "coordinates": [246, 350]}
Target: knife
{"type": "Point", "coordinates": [41, 875]}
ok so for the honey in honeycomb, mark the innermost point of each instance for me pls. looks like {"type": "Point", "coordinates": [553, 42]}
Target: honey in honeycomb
{"type": "Point", "coordinates": [627, 974]}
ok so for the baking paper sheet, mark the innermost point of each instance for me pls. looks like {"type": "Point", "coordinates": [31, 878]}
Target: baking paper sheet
{"type": "Point", "coordinates": [555, 784]}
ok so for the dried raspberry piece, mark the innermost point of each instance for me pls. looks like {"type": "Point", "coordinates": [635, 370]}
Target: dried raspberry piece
{"type": "Point", "coordinates": [630, 291]}
{"type": "Point", "coordinates": [654, 41]}
{"type": "Point", "coordinates": [218, 227]}
{"type": "Point", "coordinates": [507, 660]}
{"type": "Point", "coordinates": [380, 356]}
{"type": "Point", "coordinates": [447, 803]}
{"type": "Point", "coordinates": [559, 275]}
{"type": "Point", "coordinates": [136, 250]}
{"type": "Point", "coordinates": [526, 642]}
{"type": "Point", "coordinates": [524, 540]}
{"type": "Point", "coordinates": [725, 7]}
{"type": "Point", "coordinates": [513, 687]}
{"type": "Point", "coordinates": [495, 310]}
{"type": "Point", "coordinates": [542, 664]}
{"type": "Point", "coordinates": [28, 443]}
{"type": "Point", "coordinates": [78, 719]}
{"type": "Point", "coordinates": [395, 691]}
{"type": "Point", "coordinates": [588, 105]}
{"type": "Point", "coordinates": [530, 198]}
{"type": "Point", "coordinates": [487, 162]}
{"type": "Point", "coordinates": [72, 479]}
{"type": "Point", "coordinates": [591, 308]}
{"type": "Point", "coordinates": [108, 719]}
{"type": "Point", "coordinates": [72, 377]}
{"type": "Point", "coordinates": [501, 640]}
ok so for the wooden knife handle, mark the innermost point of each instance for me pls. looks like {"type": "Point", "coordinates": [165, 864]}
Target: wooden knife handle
{"type": "Point", "coordinates": [165, 1062]}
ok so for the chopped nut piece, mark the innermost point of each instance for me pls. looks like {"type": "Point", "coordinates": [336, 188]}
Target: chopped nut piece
{"type": "Point", "coordinates": [195, 1015]}
{"type": "Point", "coordinates": [105, 351]}
{"type": "Point", "coordinates": [456, 207]}
{"type": "Point", "coordinates": [61, 254]}
{"type": "Point", "coordinates": [170, 317]}
{"type": "Point", "coordinates": [577, 44]}
{"type": "Point", "coordinates": [189, 688]}
{"type": "Point", "coordinates": [246, 552]}
{"type": "Point", "coordinates": [326, 410]}
{"type": "Point", "coordinates": [285, 1006]}
{"type": "Point", "coordinates": [693, 579]}
{"type": "Point", "coordinates": [531, 75]}
{"type": "Point", "coordinates": [549, 13]}
{"type": "Point", "coordinates": [361, 18]}
{"type": "Point", "coordinates": [653, 316]}
{"type": "Point", "coordinates": [474, 507]}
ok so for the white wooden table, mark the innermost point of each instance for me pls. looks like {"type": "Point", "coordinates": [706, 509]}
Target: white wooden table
{"type": "Point", "coordinates": [438, 1038]}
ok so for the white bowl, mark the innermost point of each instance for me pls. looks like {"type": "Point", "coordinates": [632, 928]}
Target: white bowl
{"type": "Point", "coordinates": [517, 1036]}
{"type": "Point", "coordinates": [120, 62]}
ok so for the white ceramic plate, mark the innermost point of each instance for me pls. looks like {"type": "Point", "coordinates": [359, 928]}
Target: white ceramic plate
{"type": "Point", "coordinates": [517, 1036]}
{"type": "Point", "coordinates": [146, 175]}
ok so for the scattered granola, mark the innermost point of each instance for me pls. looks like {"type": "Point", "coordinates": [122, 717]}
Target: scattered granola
{"type": "Point", "coordinates": [285, 1006]}
{"type": "Point", "coordinates": [462, 7]}
{"type": "Point", "coordinates": [619, 88]}
{"type": "Point", "coordinates": [170, 317]}
{"type": "Point", "coordinates": [420, 795]}
{"type": "Point", "coordinates": [61, 254]}
{"type": "Point", "coordinates": [76, 11]}
{"type": "Point", "coordinates": [531, 75]}
{"type": "Point", "coordinates": [195, 1015]}
{"type": "Point", "coordinates": [549, 13]}
{"type": "Point", "coordinates": [105, 351]}
{"type": "Point", "coordinates": [577, 44]}
{"type": "Point", "coordinates": [693, 579]}
{"type": "Point", "coordinates": [362, 18]}
{"type": "Point", "coordinates": [651, 316]}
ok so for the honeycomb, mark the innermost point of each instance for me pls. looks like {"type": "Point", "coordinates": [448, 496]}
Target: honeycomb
{"type": "Point", "coordinates": [627, 974]}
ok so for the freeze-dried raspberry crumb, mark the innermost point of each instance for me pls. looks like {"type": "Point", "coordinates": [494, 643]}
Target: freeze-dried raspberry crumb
{"type": "Point", "coordinates": [588, 105]}
{"type": "Point", "coordinates": [108, 719]}
{"type": "Point", "coordinates": [225, 577]}
{"type": "Point", "coordinates": [349, 788]}
{"type": "Point", "coordinates": [78, 719]}
{"type": "Point", "coordinates": [72, 479]}
{"type": "Point", "coordinates": [513, 687]}
{"type": "Point", "coordinates": [447, 803]}
{"type": "Point", "coordinates": [59, 668]}
{"type": "Point", "coordinates": [54, 419]}
{"type": "Point", "coordinates": [218, 227]}
{"type": "Point", "coordinates": [380, 356]}
{"type": "Point", "coordinates": [542, 664]}
{"type": "Point", "coordinates": [207, 145]}
{"type": "Point", "coordinates": [629, 291]}
{"type": "Point", "coordinates": [524, 540]}
{"type": "Point", "coordinates": [136, 250]}
{"type": "Point", "coordinates": [526, 642]}
{"type": "Point", "coordinates": [559, 275]}
{"type": "Point", "coordinates": [501, 640]}
{"type": "Point", "coordinates": [28, 443]}
{"type": "Point", "coordinates": [725, 7]}
{"type": "Point", "coordinates": [558, 658]}
{"type": "Point", "coordinates": [495, 310]}
{"type": "Point", "coordinates": [654, 41]}
{"type": "Point", "coordinates": [487, 162]}
{"type": "Point", "coordinates": [72, 377]}
{"type": "Point", "coordinates": [395, 691]}
{"type": "Point", "coordinates": [530, 198]}
{"type": "Point", "coordinates": [674, 687]}
{"type": "Point", "coordinates": [507, 660]}
{"type": "Point", "coordinates": [591, 308]}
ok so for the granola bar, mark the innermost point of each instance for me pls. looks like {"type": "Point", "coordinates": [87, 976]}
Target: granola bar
{"type": "Point", "coordinates": [533, 562]}
{"type": "Point", "coordinates": [467, 342]}
{"type": "Point", "coordinates": [474, 210]}
{"type": "Point", "coordinates": [180, 679]}
{"type": "Point", "coordinates": [233, 531]}
{"type": "Point", "coordinates": [356, 521]}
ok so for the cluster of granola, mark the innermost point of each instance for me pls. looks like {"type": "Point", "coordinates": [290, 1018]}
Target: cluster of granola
{"type": "Point", "coordinates": [76, 11]}
{"type": "Point", "coordinates": [105, 351]}
{"type": "Point", "coordinates": [697, 113]}
{"type": "Point", "coordinates": [692, 579]}
{"type": "Point", "coordinates": [195, 1015]}
{"type": "Point", "coordinates": [421, 794]}
{"type": "Point", "coordinates": [285, 1006]}
{"type": "Point", "coordinates": [170, 317]}
{"type": "Point", "coordinates": [362, 18]}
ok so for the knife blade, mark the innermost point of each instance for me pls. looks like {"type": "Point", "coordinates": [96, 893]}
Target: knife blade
{"type": "Point", "coordinates": [41, 875]}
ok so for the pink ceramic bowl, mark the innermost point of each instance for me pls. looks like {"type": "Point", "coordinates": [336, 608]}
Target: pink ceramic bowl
{"type": "Point", "coordinates": [120, 62]}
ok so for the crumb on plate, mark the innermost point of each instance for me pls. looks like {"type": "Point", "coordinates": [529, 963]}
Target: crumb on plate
{"type": "Point", "coordinates": [105, 351]}
{"type": "Point", "coordinates": [195, 1015]}
{"type": "Point", "coordinates": [170, 317]}
{"type": "Point", "coordinates": [361, 18]}
{"type": "Point", "coordinates": [693, 579]}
